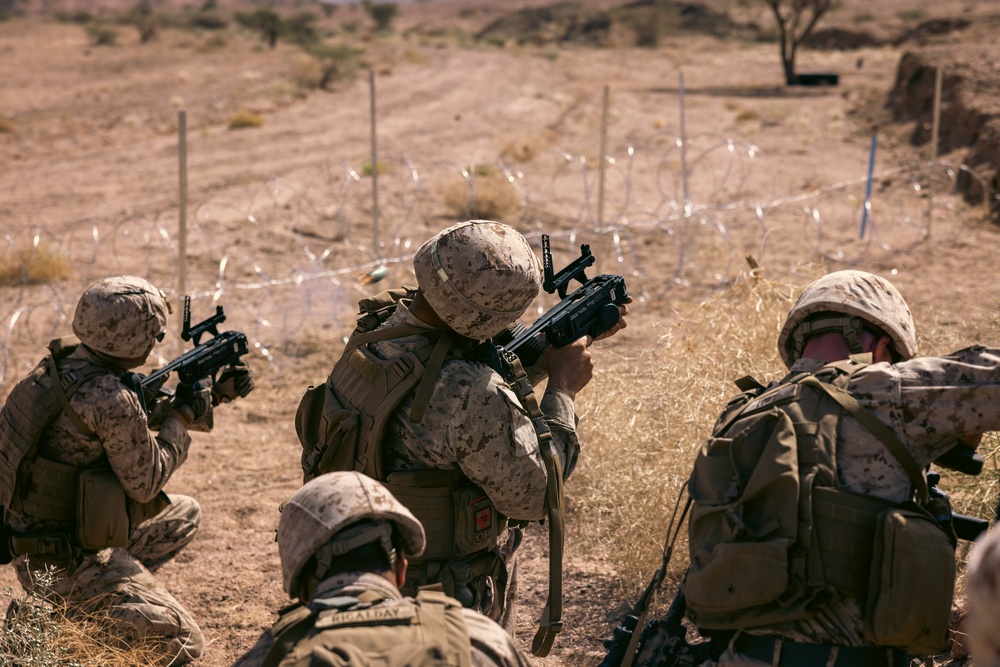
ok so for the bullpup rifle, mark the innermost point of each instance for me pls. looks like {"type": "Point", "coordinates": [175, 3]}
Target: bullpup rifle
{"type": "Point", "coordinates": [590, 310]}
{"type": "Point", "coordinates": [202, 361]}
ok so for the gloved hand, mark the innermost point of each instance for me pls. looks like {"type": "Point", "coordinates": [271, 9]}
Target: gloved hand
{"type": "Point", "coordinates": [194, 402]}
{"type": "Point", "coordinates": [235, 381]}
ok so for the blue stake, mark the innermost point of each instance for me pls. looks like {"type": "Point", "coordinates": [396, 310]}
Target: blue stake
{"type": "Point", "coordinates": [868, 189]}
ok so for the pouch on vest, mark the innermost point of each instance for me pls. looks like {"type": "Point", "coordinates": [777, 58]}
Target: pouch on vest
{"type": "Point", "coordinates": [912, 582]}
{"type": "Point", "coordinates": [476, 520]}
{"type": "Point", "coordinates": [328, 432]}
{"type": "Point", "coordinates": [741, 530]}
{"type": "Point", "coordinates": [102, 512]}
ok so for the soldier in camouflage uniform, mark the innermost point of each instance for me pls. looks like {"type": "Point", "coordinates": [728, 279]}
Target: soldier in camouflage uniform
{"type": "Point", "coordinates": [982, 595]}
{"type": "Point", "coordinates": [930, 404]}
{"type": "Point", "coordinates": [475, 279]}
{"type": "Point", "coordinates": [105, 430]}
{"type": "Point", "coordinates": [344, 542]}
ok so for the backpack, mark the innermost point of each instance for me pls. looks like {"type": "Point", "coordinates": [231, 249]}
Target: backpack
{"type": "Point", "coordinates": [341, 422]}
{"type": "Point", "coordinates": [31, 407]}
{"type": "Point", "coordinates": [429, 631]}
{"type": "Point", "coordinates": [772, 536]}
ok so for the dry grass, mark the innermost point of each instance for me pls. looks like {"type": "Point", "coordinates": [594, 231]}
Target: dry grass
{"type": "Point", "coordinates": [41, 630]}
{"type": "Point", "coordinates": [485, 194]}
{"type": "Point", "coordinates": [245, 119]}
{"type": "Point", "coordinates": [6, 125]}
{"type": "Point", "coordinates": [653, 412]}
{"type": "Point", "coordinates": [34, 263]}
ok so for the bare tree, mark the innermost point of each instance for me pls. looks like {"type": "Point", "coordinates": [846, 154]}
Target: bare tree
{"type": "Point", "coordinates": [796, 20]}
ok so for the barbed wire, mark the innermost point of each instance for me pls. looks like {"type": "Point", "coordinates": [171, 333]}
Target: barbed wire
{"type": "Point", "coordinates": [294, 254]}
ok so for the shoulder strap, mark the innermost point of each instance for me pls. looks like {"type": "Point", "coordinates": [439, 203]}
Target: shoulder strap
{"type": "Point", "coordinates": [878, 429]}
{"type": "Point", "coordinates": [60, 393]}
{"type": "Point", "coordinates": [293, 625]}
{"type": "Point", "coordinates": [442, 619]}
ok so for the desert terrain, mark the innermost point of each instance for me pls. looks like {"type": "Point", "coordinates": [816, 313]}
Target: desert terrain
{"type": "Point", "coordinates": [708, 158]}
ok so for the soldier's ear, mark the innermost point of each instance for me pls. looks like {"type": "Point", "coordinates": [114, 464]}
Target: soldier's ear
{"type": "Point", "coordinates": [399, 569]}
{"type": "Point", "coordinates": [883, 350]}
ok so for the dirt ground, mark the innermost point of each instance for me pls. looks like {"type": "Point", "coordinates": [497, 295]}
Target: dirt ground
{"type": "Point", "coordinates": [90, 144]}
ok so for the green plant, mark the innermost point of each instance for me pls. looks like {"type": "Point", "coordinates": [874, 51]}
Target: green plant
{"type": "Point", "coordinates": [382, 13]}
{"type": "Point", "coordinates": [382, 168]}
{"type": "Point", "coordinates": [245, 119]}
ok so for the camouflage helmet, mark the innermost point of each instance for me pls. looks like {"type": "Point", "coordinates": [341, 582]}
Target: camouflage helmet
{"type": "Point", "coordinates": [982, 592]}
{"type": "Point", "coordinates": [852, 298]}
{"type": "Point", "coordinates": [121, 317]}
{"type": "Point", "coordinates": [326, 510]}
{"type": "Point", "coordinates": [478, 276]}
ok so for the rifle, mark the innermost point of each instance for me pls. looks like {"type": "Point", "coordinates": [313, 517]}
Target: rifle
{"type": "Point", "coordinates": [202, 361]}
{"type": "Point", "coordinates": [589, 311]}
{"type": "Point", "coordinates": [664, 641]}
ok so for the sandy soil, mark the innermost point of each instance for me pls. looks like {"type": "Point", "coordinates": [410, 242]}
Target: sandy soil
{"type": "Point", "coordinates": [91, 145]}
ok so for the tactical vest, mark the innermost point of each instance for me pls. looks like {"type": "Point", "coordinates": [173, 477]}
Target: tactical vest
{"type": "Point", "coordinates": [429, 630]}
{"type": "Point", "coordinates": [88, 498]}
{"type": "Point", "coordinates": [772, 536]}
{"type": "Point", "coordinates": [341, 425]}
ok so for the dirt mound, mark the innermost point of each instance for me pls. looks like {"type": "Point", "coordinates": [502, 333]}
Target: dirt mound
{"type": "Point", "coordinates": [970, 110]}
{"type": "Point", "coordinates": [841, 39]}
{"type": "Point", "coordinates": [931, 29]}
{"type": "Point", "coordinates": [578, 23]}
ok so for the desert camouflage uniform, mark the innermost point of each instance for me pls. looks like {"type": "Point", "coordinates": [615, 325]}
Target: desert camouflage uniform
{"type": "Point", "coordinates": [982, 592]}
{"type": "Point", "coordinates": [928, 402]}
{"type": "Point", "coordinates": [116, 580]}
{"type": "Point", "coordinates": [474, 423]}
{"type": "Point", "coordinates": [491, 646]}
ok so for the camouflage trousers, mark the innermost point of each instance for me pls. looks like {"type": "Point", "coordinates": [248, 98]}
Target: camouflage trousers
{"type": "Point", "coordinates": [116, 582]}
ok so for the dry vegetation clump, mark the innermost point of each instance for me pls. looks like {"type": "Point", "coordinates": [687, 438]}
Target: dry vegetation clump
{"type": "Point", "coordinates": [245, 119]}
{"type": "Point", "coordinates": [484, 193]}
{"type": "Point", "coordinates": [654, 412]}
{"type": "Point", "coordinates": [39, 629]}
{"type": "Point", "coordinates": [34, 263]}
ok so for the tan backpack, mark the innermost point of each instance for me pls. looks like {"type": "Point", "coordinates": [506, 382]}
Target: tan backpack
{"type": "Point", "coordinates": [772, 537]}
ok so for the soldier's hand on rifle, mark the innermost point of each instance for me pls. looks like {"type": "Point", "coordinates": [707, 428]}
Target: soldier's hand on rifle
{"type": "Point", "coordinates": [194, 403]}
{"type": "Point", "coordinates": [570, 367]}
{"type": "Point", "coordinates": [623, 309]}
{"type": "Point", "coordinates": [235, 381]}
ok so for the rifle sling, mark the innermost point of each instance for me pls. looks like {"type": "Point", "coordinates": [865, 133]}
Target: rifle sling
{"type": "Point", "coordinates": [422, 396]}
{"type": "Point", "coordinates": [550, 623]}
{"type": "Point", "coordinates": [57, 389]}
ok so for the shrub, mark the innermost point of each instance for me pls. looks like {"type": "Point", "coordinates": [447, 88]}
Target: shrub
{"type": "Point", "coordinates": [102, 35]}
{"type": "Point", "coordinates": [33, 264]}
{"type": "Point", "coordinates": [244, 119]}
{"type": "Point", "coordinates": [485, 194]}
{"type": "Point", "coordinates": [42, 629]}
{"type": "Point", "coordinates": [208, 20]}
{"type": "Point", "coordinates": [266, 21]}
{"type": "Point", "coordinates": [300, 29]}
{"type": "Point", "coordinates": [337, 62]}
{"type": "Point", "coordinates": [6, 125]}
{"type": "Point", "coordinates": [382, 13]}
{"type": "Point", "coordinates": [80, 16]}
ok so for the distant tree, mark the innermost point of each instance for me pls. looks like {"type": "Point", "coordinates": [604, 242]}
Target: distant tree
{"type": "Point", "coordinates": [266, 21]}
{"type": "Point", "coordinates": [796, 20]}
{"type": "Point", "coordinates": [382, 13]}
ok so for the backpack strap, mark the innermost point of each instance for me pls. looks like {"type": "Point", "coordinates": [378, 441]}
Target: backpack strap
{"type": "Point", "coordinates": [442, 619]}
{"type": "Point", "coordinates": [878, 429]}
{"type": "Point", "coordinates": [295, 623]}
{"type": "Point", "coordinates": [60, 395]}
